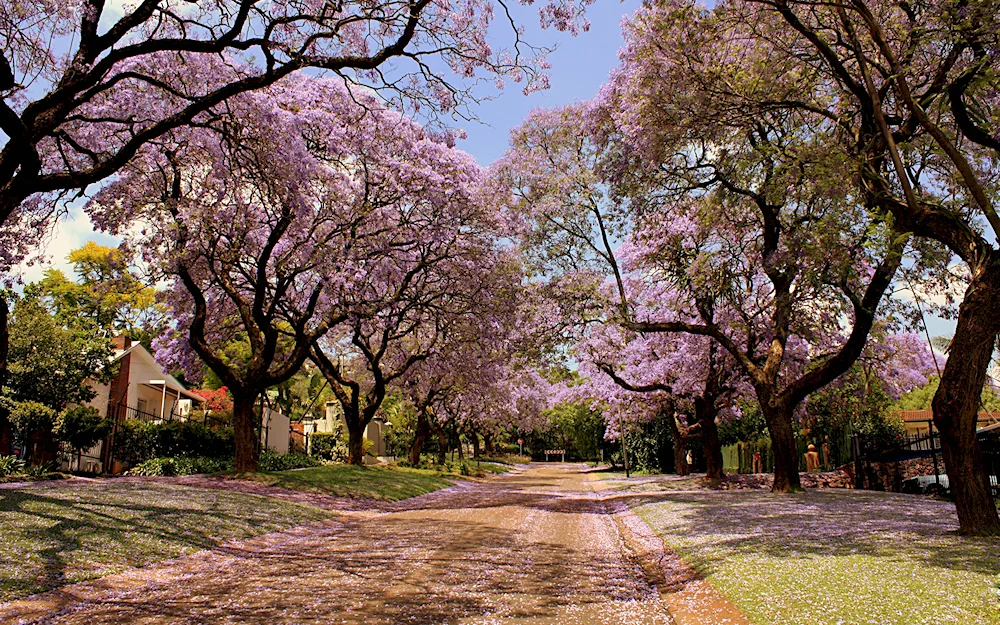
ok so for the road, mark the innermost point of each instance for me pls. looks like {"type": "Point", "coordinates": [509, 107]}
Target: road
{"type": "Point", "coordinates": [541, 546]}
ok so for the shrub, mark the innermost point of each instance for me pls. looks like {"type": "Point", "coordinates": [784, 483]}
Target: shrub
{"type": "Point", "coordinates": [11, 465]}
{"type": "Point", "coordinates": [271, 461]}
{"type": "Point", "coordinates": [81, 427]}
{"type": "Point", "coordinates": [155, 467]}
{"type": "Point", "coordinates": [192, 466]}
{"type": "Point", "coordinates": [42, 471]}
{"type": "Point", "coordinates": [30, 416]}
{"type": "Point", "coordinates": [328, 446]}
{"type": "Point", "coordinates": [137, 441]}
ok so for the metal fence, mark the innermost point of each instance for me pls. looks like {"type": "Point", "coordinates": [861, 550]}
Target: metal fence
{"type": "Point", "coordinates": [125, 412]}
{"type": "Point", "coordinates": [81, 461]}
{"type": "Point", "coordinates": [991, 460]}
{"type": "Point", "coordinates": [834, 451]}
{"type": "Point", "coordinates": [929, 446]}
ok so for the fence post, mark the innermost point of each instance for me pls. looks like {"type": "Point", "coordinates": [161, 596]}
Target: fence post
{"type": "Point", "coordinates": [930, 433]}
{"type": "Point", "coordinates": [859, 469]}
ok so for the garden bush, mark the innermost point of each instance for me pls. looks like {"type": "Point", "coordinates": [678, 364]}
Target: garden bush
{"type": "Point", "coordinates": [271, 461]}
{"type": "Point", "coordinates": [137, 441]}
{"type": "Point", "coordinates": [10, 465]}
{"type": "Point", "coordinates": [155, 467]}
{"type": "Point", "coordinates": [423, 464]}
{"type": "Point", "coordinates": [81, 427]}
{"type": "Point", "coordinates": [328, 446]}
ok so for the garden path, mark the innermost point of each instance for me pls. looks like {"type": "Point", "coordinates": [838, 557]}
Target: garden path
{"type": "Point", "coordinates": [535, 547]}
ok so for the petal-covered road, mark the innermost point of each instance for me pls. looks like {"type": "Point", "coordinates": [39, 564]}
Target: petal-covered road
{"type": "Point", "coordinates": [540, 546]}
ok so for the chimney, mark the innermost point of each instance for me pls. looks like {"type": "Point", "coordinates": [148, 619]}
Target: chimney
{"type": "Point", "coordinates": [121, 343]}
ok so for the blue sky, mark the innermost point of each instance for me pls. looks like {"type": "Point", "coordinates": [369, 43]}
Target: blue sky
{"type": "Point", "coordinates": [580, 65]}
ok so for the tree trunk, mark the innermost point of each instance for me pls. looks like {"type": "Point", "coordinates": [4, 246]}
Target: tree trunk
{"type": "Point", "coordinates": [442, 447]}
{"type": "Point", "coordinates": [778, 416]}
{"type": "Point", "coordinates": [488, 444]}
{"type": "Point", "coordinates": [956, 405]}
{"type": "Point", "coordinates": [423, 431]}
{"type": "Point", "coordinates": [475, 444]}
{"type": "Point", "coordinates": [6, 431]}
{"type": "Point", "coordinates": [710, 442]}
{"type": "Point", "coordinates": [245, 432]}
{"type": "Point", "coordinates": [625, 451]}
{"type": "Point", "coordinates": [355, 441]}
{"type": "Point", "coordinates": [680, 446]}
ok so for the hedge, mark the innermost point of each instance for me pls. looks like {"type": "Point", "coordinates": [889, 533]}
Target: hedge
{"type": "Point", "coordinates": [137, 441]}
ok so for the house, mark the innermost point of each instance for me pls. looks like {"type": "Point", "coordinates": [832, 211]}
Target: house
{"type": "Point", "coordinates": [141, 390]}
{"type": "Point", "coordinates": [919, 422]}
{"type": "Point", "coordinates": [333, 421]}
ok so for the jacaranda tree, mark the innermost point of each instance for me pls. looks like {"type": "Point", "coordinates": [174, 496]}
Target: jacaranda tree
{"type": "Point", "coordinates": [908, 93]}
{"type": "Point", "coordinates": [86, 85]}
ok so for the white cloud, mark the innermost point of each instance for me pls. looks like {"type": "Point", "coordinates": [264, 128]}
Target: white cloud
{"type": "Point", "coordinates": [70, 233]}
{"type": "Point", "coordinates": [937, 297]}
{"type": "Point", "coordinates": [114, 10]}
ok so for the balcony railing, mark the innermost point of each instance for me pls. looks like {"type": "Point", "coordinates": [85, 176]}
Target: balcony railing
{"type": "Point", "coordinates": [131, 413]}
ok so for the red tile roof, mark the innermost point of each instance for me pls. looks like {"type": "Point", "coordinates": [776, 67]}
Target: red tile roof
{"type": "Point", "coordinates": [927, 415]}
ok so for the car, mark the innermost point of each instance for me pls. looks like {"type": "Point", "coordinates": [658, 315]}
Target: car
{"type": "Point", "coordinates": [927, 485]}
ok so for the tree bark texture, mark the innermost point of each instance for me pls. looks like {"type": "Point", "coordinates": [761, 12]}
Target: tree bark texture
{"type": "Point", "coordinates": [423, 430]}
{"type": "Point", "coordinates": [957, 401]}
{"type": "Point", "coordinates": [442, 447]}
{"type": "Point", "coordinates": [786, 463]}
{"type": "Point", "coordinates": [680, 446]}
{"type": "Point", "coordinates": [710, 439]}
{"type": "Point", "coordinates": [475, 444]}
{"type": "Point", "coordinates": [355, 436]}
{"type": "Point", "coordinates": [245, 432]}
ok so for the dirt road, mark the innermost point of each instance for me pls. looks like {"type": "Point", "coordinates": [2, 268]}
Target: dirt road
{"type": "Point", "coordinates": [541, 546]}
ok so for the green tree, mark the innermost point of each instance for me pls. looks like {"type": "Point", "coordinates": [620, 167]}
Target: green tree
{"type": "Point", "coordinates": [81, 427]}
{"type": "Point", "coordinates": [53, 363]}
{"type": "Point", "coordinates": [750, 427]}
{"type": "Point", "coordinates": [106, 290]}
{"type": "Point", "coordinates": [920, 398]}
{"type": "Point", "coordinates": [859, 402]}
{"type": "Point", "coordinates": [577, 428]}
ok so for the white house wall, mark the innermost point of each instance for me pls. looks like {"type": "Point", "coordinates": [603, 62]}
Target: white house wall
{"type": "Point", "coordinates": [275, 432]}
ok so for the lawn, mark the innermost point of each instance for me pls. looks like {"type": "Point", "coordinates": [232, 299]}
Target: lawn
{"type": "Point", "coordinates": [491, 467]}
{"type": "Point", "coordinates": [829, 557]}
{"type": "Point", "coordinates": [57, 534]}
{"type": "Point", "coordinates": [644, 483]}
{"type": "Point", "coordinates": [384, 483]}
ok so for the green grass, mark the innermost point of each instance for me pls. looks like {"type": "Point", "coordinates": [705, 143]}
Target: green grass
{"type": "Point", "coordinates": [52, 535]}
{"type": "Point", "coordinates": [829, 557]}
{"type": "Point", "coordinates": [651, 482]}
{"type": "Point", "coordinates": [492, 467]}
{"type": "Point", "coordinates": [385, 483]}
